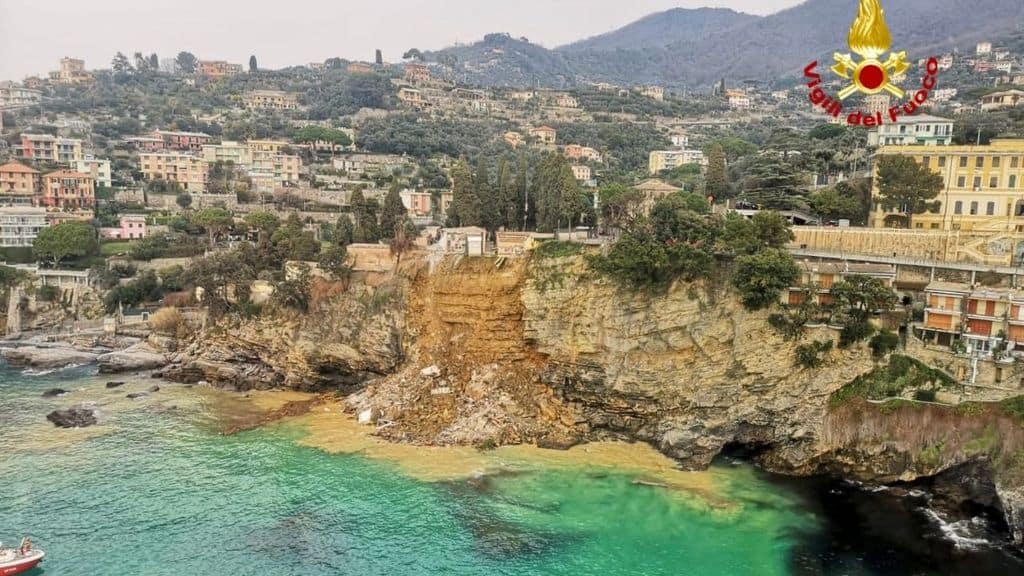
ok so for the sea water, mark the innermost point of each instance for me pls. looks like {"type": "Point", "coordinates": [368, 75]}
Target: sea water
{"type": "Point", "coordinates": [156, 488]}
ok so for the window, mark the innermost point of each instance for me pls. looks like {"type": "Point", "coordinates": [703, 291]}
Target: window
{"type": "Point", "coordinates": [926, 161]}
{"type": "Point", "coordinates": [995, 161]}
{"type": "Point", "coordinates": [958, 208]}
{"type": "Point", "coordinates": [963, 161]}
{"type": "Point", "coordinates": [977, 182]}
{"type": "Point", "coordinates": [961, 181]}
{"type": "Point", "coordinates": [979, 161]}
{"type": "Point", "coordinates": [1012, 183]}
{"type": "Point", "coordinates": [974, 208]}
{"type": "Point", "coordinates": [935, 226]}
{"type": "Point", "coordinates": [942, 161]}
{"type": "Point", "coordinates": [1015, 162]}
{"type": "Point", "coordinates": [993, 182]}
{"type": "Point", "coordinates": [990, 209]}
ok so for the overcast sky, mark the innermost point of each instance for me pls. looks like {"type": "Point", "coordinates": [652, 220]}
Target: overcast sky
{"type": "Point", "coordinates": [35, 34]}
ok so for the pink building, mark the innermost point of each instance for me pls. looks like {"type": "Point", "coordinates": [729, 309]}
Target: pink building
{"type": "Point", "coordinates": [186, 141]}
{"type": "Point", "coordinates": [418, 204]}
{"type": "Point", "coordinates": [133, 227]}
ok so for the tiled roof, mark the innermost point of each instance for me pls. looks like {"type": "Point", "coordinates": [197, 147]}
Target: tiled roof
{"type": "Point", "coordinates": [18, 168]}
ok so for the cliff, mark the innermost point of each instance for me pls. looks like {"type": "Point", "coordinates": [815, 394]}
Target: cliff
{"type": "Point", "coordinates": [488, 352]}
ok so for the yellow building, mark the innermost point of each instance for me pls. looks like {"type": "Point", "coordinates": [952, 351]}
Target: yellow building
{"type": "Point", "coordinates": [983, 187]}
{"type": "Point", "coordinates": [271, 100]}
{"type": "Point", "coordinates": [228, 151]}
{"type": "Point", "coordinates": [185, 169]}
{"type": "Point", "coordinates": [268, 157]}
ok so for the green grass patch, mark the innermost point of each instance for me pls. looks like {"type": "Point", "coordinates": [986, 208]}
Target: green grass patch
{"type": "Point", "coordinates": [901, 373]}
{"type": "Point", "coordinates": [113, 248]}
{"type": "Point", "coordinates": [984, 444]}
{"type": "Point", "coordinates": [1014, 407]}
{"type": "Point", "coordinates": [557, 249]}
{"type": "Point", "coordinates": [931, 456]}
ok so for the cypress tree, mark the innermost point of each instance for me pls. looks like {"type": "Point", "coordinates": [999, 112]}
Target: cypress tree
{"type": "Point", "coordinates": [392, 214]}
{"type": "Point", "coordinates": [715, 184]}
{"type": "Point", "coordinates": [365, 212]}
{"type": "Point", "coordinates": [465, 208]}
{"type": "Point", "coordinates": [506, 196]}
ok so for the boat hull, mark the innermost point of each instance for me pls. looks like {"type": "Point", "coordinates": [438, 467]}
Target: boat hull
{"type": "Point", "coordinates": [19, 567]}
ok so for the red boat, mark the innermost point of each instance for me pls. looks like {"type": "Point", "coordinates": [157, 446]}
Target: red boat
{"type": "Point", "coordinates": [21, 559]}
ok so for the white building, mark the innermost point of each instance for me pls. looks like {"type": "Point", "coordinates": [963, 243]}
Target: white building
{"type": "Point", "coordinates": [19, 225]}
{"type": "Point", "coordinates": [680, 140]}
{"type": "Point", "coordinates": [581, 172]}
{"type": "Point", "coordinates": [98, 168]}
{"type": "Point", "coordinates": [12, 94]}
{"type": "Point", "coordinates": [920, 130]}
{"type": "Point", "coordinates": [983, 48]}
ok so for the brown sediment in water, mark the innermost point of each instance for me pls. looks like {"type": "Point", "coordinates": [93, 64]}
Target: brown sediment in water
{"type": "Point", "coordinates": [332, 430]}
{"type": "Point", "coordinates": [290, 409]}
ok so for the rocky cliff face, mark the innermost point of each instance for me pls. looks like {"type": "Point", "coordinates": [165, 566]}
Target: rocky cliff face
{"type": "Point", "coordinates": [350, 334]}
{"type": "Point", "coordinates": [489, 352]}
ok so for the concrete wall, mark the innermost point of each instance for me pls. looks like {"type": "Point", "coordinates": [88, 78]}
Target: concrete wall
{"type": "Point", "coordinates": [906, 243]}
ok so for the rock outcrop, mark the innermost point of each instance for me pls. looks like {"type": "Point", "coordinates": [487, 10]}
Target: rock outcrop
{"type": "Point", "coordinates": [72, 418]}
{"type": "Point", "coordinates": [47, 358]}
{"type": "Point", "coordinates": [136, 358]}
{"type": "Point", "coordinates": [348, 336]}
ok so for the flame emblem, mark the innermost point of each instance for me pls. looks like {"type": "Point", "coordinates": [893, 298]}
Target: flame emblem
{"type": "Point", "coordinates": [869, 38]}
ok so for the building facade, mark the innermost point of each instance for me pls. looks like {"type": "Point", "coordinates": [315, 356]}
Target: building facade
{"type": "Point", "coordinates": [98, 168]}
{"type": "Point", "coordinates": [185, 169]}
{"type": "Point", "coordinates": [215, 69]}
{"type": "Point", "coordinates": [668, 159]}
{"type": "Point", "coordinates": [983, 187]}
{"type": "Point", "coordinates": [47, 148]}
{"type": "Point", "coordinates": [920, 129]}
{"type": "Point", "coordinates": [130, 227]}
{"type": "Point", "coordinates": [544, 134]}
{"type": "Point", "coordinates": [228, 151]}
{"type": "Point", "coordinates": [19, 184]}
{"type": "Point", "coordinates": [68, 191]}
{"type": "Point", "coordinates": [184, 141]}
{"type": "Point", "coordinates": [271, 100]}
{"type": "Point", "coordinates": [19, 225]}
{"type": "Point", "coordinates": [13, 95]}
{"type": "Point", "coordinates": [1004, 99]}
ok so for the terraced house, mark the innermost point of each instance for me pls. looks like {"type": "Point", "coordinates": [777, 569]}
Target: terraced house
{"type": "Point", "coordinates": [19, 184]}
{"type": "Point", "coordinates": [47, 148]}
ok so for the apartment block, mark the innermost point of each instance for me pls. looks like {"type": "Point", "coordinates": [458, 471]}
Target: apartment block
{"type": "Point", "coordinates": [98, 168]}
{"type": "Point", "coordinates": [47, 148]}
{"type": "Point", "coordinates": [817, 278]}
{"type": "Point", "coordinates": [228, 151]}
{"type": "Point", "coordinates": [920, 129]}
{"type": "Point", "coordinates": [216, 69]}
{"type": "Point", "coordinates": [20, 225]}
{"type": "Point", "coordinates": [184, 141]}
{"type": "Point", "coordinates": [659, 160]}
{"type": "Point", "coordinates": [185, 169]}
{"type": "Point", "coordinates": [983, 187]}
{"type": "Point", "coordinates": [544, 134]}
{"type": "Point", "coordinates": [19, 184]}
{"type": "Point", "coordinates": [12, 95]}
{"type": "Point", "coordinates": [68, 191]}
{"type": "Point", "coordinates": [271, 100]}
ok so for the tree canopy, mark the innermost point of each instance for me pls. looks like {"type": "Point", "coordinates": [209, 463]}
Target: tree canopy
{"type": "Point", "coordinates": [62, 242]}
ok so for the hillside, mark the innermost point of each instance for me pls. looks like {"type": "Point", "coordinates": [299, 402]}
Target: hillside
{"type": "Point", "coordinates": [697, 47]}
{"type": "Point", "coordinates": [663, 29]}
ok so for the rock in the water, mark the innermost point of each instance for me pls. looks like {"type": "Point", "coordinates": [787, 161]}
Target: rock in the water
{"type": "Point", "coordinates": [115, 384]}
{"type": "Point", "coordinates": [136, 395]}
{"type": "Point", "coordinates": [431, 371]}
{"type": "Point", "coordinates": [46, 358]}
{"type": "Point", "coordinates": [368, 416]}
{"type": "Point", "coordinates": [72, 418]}
{"type": "Point", "coordinates": [54, 392]}
{"type": "Point", "coordinates": [154, 389]}
{"type": "Point", "coordinates": [138, 357]}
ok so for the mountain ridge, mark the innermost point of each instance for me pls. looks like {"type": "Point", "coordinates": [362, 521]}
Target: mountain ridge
{"type": "Point", "coordinates": [696, 47]}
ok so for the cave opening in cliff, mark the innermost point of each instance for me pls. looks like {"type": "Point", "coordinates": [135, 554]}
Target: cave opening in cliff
{"type": "Point", "coordinates": [746, 451]}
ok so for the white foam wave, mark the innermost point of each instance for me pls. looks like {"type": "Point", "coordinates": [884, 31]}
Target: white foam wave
{"type": "Point", "coordinates": [962, 533]}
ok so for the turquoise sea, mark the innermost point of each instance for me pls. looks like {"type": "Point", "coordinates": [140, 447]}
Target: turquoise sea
{"type": "Point", "coordinates": [156, 489]}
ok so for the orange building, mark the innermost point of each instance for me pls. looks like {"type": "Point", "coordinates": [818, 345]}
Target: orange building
{"type": "Point", "coordinates": [18, 184]}
{"type": "Point", "coordinates": [817, 279]}
{"type": "Point", "coordinates": [68, 190]}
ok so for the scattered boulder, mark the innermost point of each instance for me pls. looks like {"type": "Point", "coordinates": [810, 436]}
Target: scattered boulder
{"type": "Point", "coordinates": [368, 416]}
{"type": "Point", "coordinates": [431, 371]}
{"type": "Point", "coordinates": [115, 384]}
{"type": "Point", "coordinates": [72, 418]}
{"type": "Point", "coordinates": [136, 395]}
{"type": "Point", "coordinates": [154, 389]}
{"type": "Point", "coordinates": [54, 392]}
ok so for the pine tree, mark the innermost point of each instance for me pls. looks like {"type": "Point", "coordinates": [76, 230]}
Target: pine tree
{"type": "Point", "coordinates": [154, 62]}
{"type": "Point", "coordinates": [465, 208]}
{"type": "Point", "coordinates": [715, 184]}
{"type": "Point", "coordinates": [252, 64]}
{"type": "Point", "coordinates": [524, 209]}
{"type": "Point", "coordinates": [120, 64]}
{"type": "Point", "coordinates": [393, 214]}
{"type": "Point", "coordinates": [344, 231]}
{"type": "Point", "coordinates": [365, 212]}
{"type": "Point", "coordinates": [506, 197]}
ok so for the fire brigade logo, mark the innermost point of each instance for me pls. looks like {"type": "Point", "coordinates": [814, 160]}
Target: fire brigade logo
{"type": "Point", "coordinates": [872, 74]}
{"type": "Point", "coordinates": [869, 38]}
